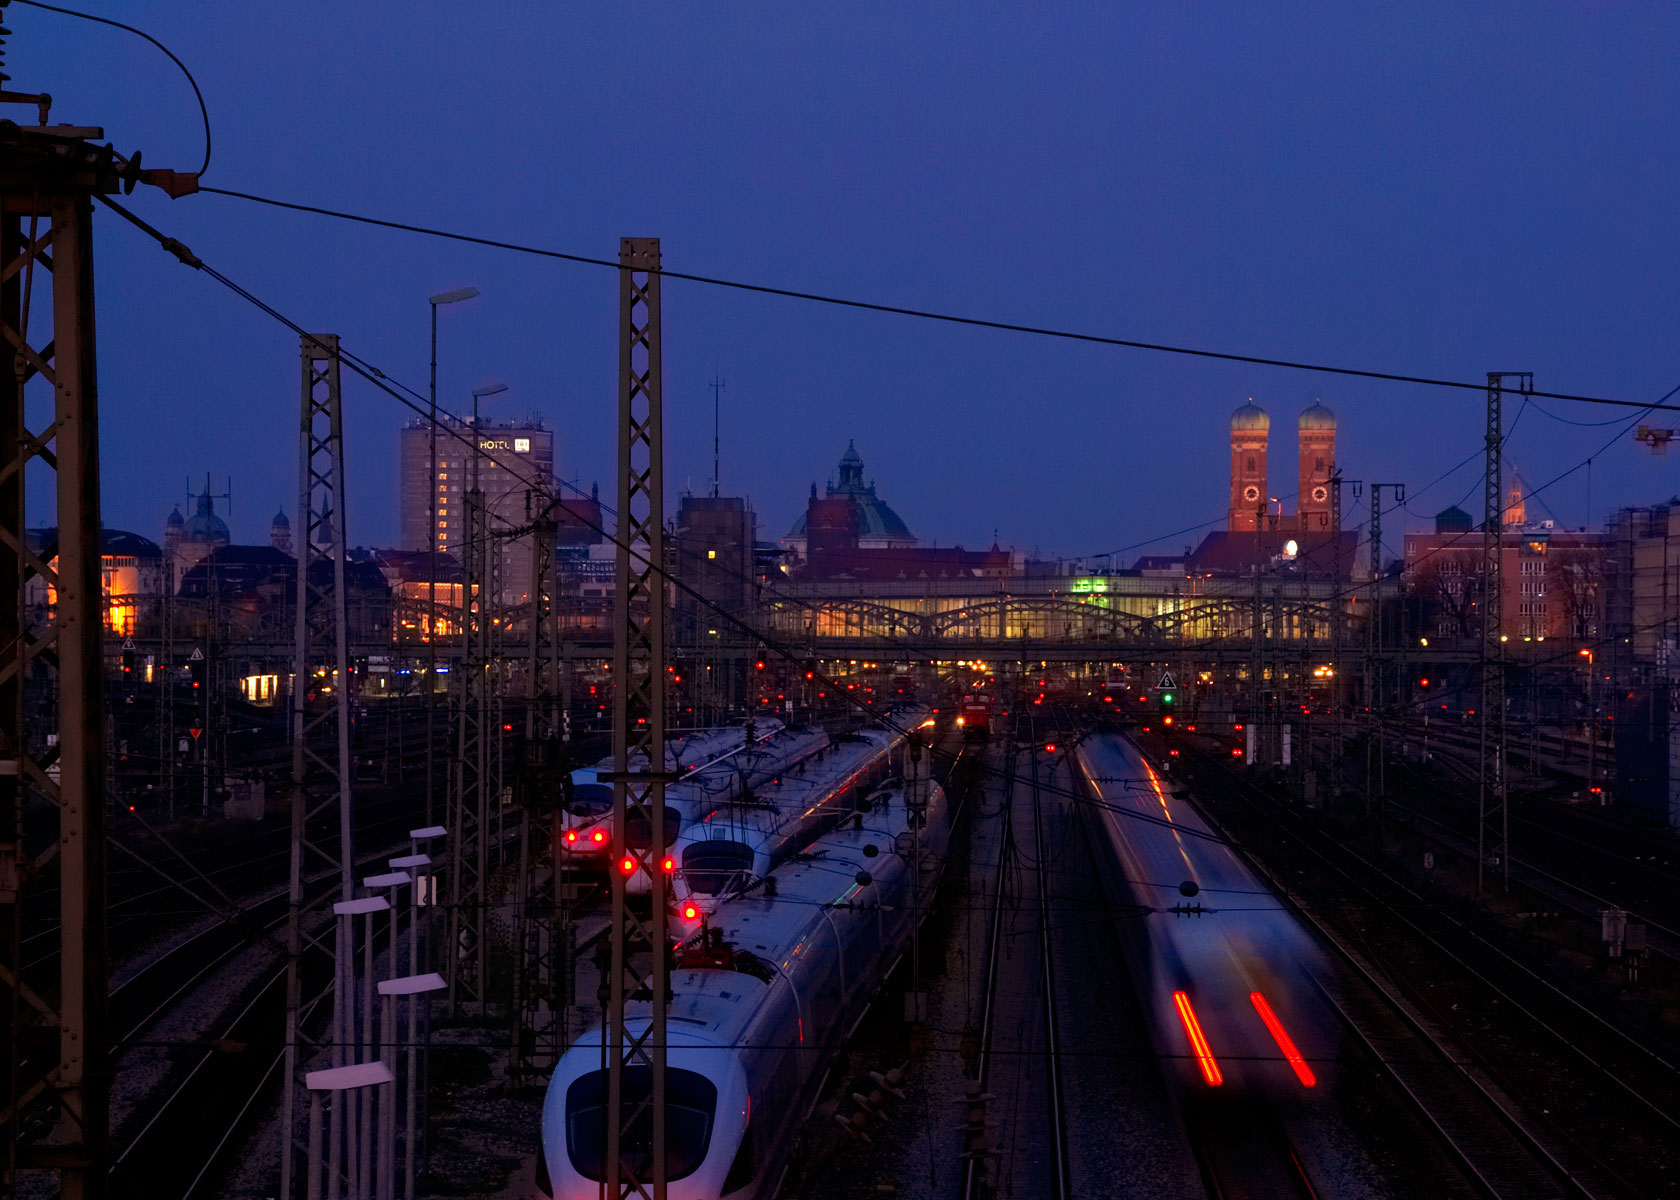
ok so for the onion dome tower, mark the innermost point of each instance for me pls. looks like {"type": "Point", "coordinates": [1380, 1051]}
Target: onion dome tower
{"type": "Point", "coordinates": [1250, 429]}
{"type": "Point", "coordinates": [1316, 430]}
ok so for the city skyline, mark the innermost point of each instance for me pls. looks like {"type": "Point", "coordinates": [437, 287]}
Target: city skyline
{"type": "Point", "coordinates": [1176, 156]}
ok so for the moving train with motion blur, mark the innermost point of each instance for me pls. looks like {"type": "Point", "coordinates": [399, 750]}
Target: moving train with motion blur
{"type": "Point", "coordinates": [763, 995]}
{"type": "Point", "coordinates": [1227, 982]}
{"type": "Point", "coordinates": [739, 842]}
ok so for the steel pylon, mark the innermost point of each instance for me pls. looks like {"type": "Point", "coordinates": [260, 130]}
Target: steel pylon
{"type": "Point", "coordinates": [1493, 827]}
{"type": "Point", "coordinates": [638, 967]}
{"type": "Point", "coordinates": [322, 769]}
{"type": "Point", "coordinates": [52, 724]}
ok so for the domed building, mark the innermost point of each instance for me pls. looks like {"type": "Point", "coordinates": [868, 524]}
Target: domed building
{"type": "Point", "coordinates": [188, 541]}
{"type": "Point", "coordinates": [280, 533]}
{"type": "Point", "coordinates": [878, 527]}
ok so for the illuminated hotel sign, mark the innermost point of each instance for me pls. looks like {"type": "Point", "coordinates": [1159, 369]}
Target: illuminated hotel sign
{"type": "Point", "coordinates": [517, 445]}
{"type": "Point", "coordinates": [522, 445]}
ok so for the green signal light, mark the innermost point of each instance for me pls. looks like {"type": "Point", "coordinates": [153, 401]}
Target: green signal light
{"type": "Point", "coordinates": [1167, 698]}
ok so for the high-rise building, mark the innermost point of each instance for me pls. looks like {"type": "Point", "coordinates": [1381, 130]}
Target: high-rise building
{"type": "Point", "coordinates": [515, 471]}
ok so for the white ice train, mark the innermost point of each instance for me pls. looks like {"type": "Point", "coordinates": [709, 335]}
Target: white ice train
{"type": "Point", "coordinates": [738, 843]}
{"type": "Point", "coordinates": [761, 1000]}
{"type": "Point", "coordinates": [586, 829]}
{"type": "Point", "coordinates": [688, 800]}
{"type": "Point", "coordinates": [1228, 986]}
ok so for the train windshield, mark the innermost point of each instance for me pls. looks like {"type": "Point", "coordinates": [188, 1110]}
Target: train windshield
{"type": "Point", "coordinates": [690, 1102]}
{"type": "Point", "coordinates": [713, 867]}
{"type": "Point", "coordinates": [591, 799]}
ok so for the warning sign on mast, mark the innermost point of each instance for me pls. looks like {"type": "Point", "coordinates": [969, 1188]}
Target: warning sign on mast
{"type": "Point", "coordinates": [1166, 683]}
{"type": "Point", "coordinates": [197, 655]}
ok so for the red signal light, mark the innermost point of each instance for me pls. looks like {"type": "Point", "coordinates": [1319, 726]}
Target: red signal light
{"type": "Point", "coordinates": [628, 866]}
{"type": "Point", "coordinates": [759, 665]}
{"type": "Point", "coordinates": [1236, 752]}
{"type": "Point", "coordinates": [1239, 726]}
{"type": "Point", "coordinates": [1050, 747]}
{"type": "Point", "coordinates": [1173, 753]}
{"type": "Point", "coordinates": [1166, 720]}
{"type": "Point", "coordinates": [668, 865]}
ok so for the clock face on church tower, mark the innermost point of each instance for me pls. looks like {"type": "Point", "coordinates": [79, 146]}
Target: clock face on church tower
{"type": "Point", "coordinates": [1320, 493]}
{"type": "Point", "coordinates": [1251, 493]}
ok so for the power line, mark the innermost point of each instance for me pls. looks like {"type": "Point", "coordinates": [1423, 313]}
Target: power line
{"type": "Point", "coordinates": [904, 311]}
{"type": "Point", "coordinates": [203, 111]}
{"type": "Point", "coordinates": [381, 381]}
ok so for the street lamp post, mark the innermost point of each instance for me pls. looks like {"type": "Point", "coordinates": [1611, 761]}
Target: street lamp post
{"type": "Point", "coordinates": [452, 297]}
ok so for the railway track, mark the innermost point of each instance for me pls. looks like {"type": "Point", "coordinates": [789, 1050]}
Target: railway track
{"type": "Point", "coordinates": [1054, 1092]}
{"type": "Point", "coordinates": [1589, 1062]}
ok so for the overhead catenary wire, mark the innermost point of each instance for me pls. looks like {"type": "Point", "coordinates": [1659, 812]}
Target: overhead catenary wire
{"type": "Point", "coordinates": [203, 109]}
{"type": "Point", "coordinates": [379, 380]}
{"type": "Point", "coordinates": [923, 314]}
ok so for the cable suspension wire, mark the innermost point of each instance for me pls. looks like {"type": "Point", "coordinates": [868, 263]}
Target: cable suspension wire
{"type": "Point", "coordinates": [917, 313]}
{"type": "Point", "coordinates": [381, 381]}
{"type": "Point", "coordinates": [203, 111]}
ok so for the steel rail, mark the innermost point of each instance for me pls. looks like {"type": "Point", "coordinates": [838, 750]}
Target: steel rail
{"type": "Point", "coordinates": [1059, 1184]}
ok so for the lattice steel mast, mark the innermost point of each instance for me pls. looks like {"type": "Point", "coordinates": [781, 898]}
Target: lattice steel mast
{"type": "Point", "coordinates": [1493, 828]}
{"type": "Point", "coordinates": [469, 840]}
{"type": "Point", "coordinates": [638, 738]}
{"type": "Point", "coordinates": [541, 929]}
{"type": "Point", "coordinates": [52, 738]}
{"type": "Point", "coordinates": [321, 760]}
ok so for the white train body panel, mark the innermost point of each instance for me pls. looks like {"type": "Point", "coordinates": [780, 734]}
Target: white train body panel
{"type": "Point", "coordinates": [587, 826]}
{"type": "Point", "coordinates": [739, 842]}
{"type": "Point", "coordinates": [751, 1040]}
{"type": "Point", "coordinates": [689, 800]}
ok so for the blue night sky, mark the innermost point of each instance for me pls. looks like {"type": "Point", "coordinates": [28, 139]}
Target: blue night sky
{"type": "Point", "coordinates": [1436, 189]}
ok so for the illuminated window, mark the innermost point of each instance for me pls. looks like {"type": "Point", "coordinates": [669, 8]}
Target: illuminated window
{"type": "Point", "coordinates": [711, 554]}
{"type": "Point", "coordinates": [443, 525]}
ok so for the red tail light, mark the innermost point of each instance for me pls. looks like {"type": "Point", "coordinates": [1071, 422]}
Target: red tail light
{"type": "Point", "coordinates": [1280, 1035]}
{"type": "Point", "coordinates": [1198, 1041]}
{"type": "Point", "coordinates": [599, 836]}
{"type": "Point", "coordinates": [690, 912]}
{"type": "Point", "coordinates": [669, 865]}
{"type": "Point", "coordinates": [571, 835]}
{"type": "Point", "coordinates": [628, 866]}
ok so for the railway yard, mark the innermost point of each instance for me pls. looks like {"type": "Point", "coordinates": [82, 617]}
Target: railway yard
{"type": "Point", "coordinates": [1029, 1042]}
